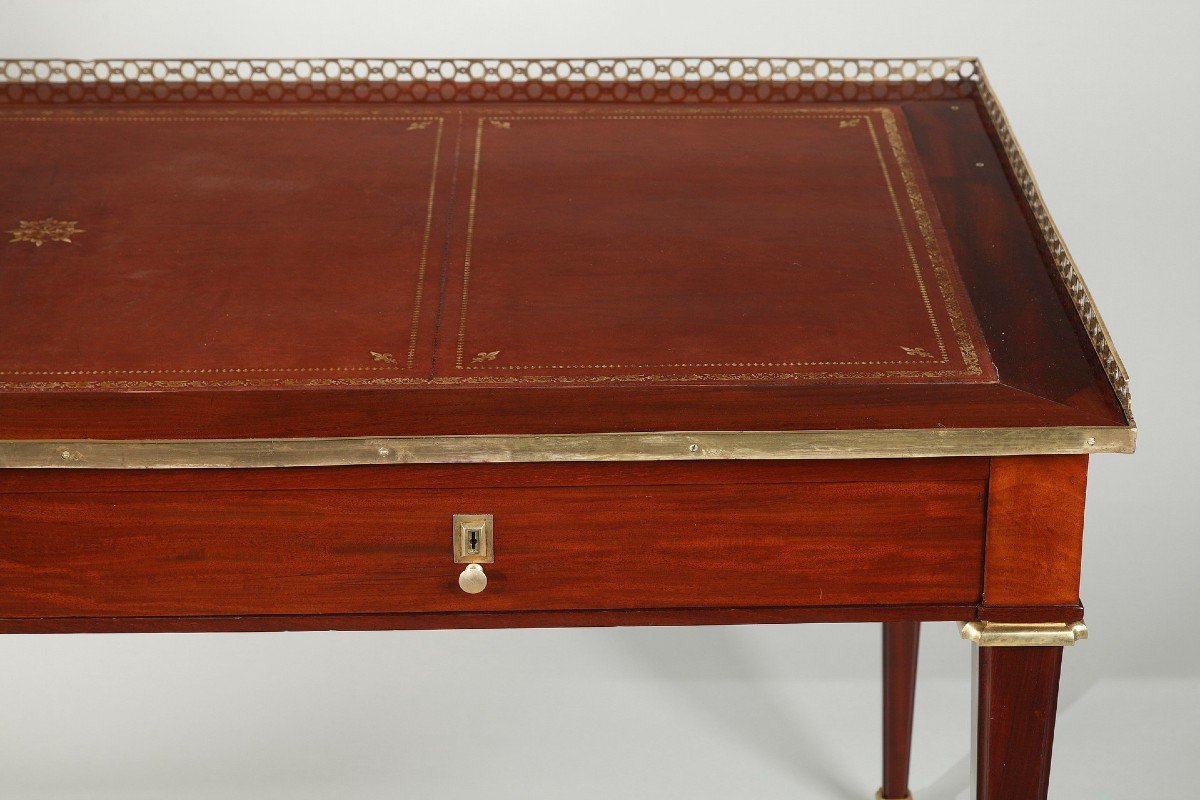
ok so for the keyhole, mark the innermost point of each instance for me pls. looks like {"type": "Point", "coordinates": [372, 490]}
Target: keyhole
{"type": "Point", "coordinates": [471, 537]}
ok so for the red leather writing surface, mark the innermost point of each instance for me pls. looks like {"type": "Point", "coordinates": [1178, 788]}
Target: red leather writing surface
{"type": "Point", "coordinates": [215, 246]}
{"type": "Point", "coordinates": [242, 247]}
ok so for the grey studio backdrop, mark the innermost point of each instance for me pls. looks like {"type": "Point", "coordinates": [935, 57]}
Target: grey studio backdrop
{"type": "Point", "coordinates": [1100, 94]}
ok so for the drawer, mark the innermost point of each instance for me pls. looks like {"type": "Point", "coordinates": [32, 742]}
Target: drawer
{"type": "Point", "coordinates": [363, 551]}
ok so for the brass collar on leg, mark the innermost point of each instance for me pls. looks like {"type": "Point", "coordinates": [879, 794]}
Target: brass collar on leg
{"type": "Point", "coordinates": [1023, 634]}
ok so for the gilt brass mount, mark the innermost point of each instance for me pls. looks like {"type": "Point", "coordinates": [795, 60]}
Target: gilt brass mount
{"type": "Point", "coordinates": [473, 539]}
{"type": "Point", "coordinates": [475, 449]}
{"type": "Point", "coordinates": [472, 534]}
{"type": "Point", "coordinates": [1023, 634]}
{"type": "Point", "coordinates": [472, 580]}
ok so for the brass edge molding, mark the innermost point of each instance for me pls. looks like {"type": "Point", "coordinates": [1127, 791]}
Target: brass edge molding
{"type": "Point", "coordinates": [879, 796]}
{"type": "Point", "coordinates": [1023, 634]}
{"type": "Point", "coordinates": [1064, 263]}
{"type": "Point", "coordinates": [665, 446]}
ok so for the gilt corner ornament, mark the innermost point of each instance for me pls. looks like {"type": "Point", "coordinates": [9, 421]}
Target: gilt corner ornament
{"type": "Point", "coordinates": [39, 231]}
{"type": "Point", "coordinates": [1021, 634]}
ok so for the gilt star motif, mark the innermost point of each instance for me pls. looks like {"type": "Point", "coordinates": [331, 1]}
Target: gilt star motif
{"type": "Point", "coordinates": [39, 231]}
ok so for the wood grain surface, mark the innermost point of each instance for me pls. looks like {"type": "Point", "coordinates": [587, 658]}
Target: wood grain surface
{"type": "Point", "coordinates": [1018, 705]}
{"type": "Point", "coordinates": [901, 643]}
{"type": "Point", "coordinates": [315, 552]}
{"type": "Point", "coordinates": [1035, 530]}
{"type": "Point", "coordinates": [434, 620]}
{"type": "Point", "coordinates": [450, 476]}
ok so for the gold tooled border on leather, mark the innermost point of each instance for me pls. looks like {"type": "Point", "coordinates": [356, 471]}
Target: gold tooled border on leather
{"type": "Point", "coordinates": [912, 191]}
{"type": "Point", "coordinates": [644, 80]}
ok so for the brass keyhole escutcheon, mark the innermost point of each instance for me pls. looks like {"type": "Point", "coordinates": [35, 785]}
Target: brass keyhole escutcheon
{"type": "Point", "coordinates": [472, 545]}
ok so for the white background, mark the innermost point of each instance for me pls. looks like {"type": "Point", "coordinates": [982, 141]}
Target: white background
{"type": "Point", "coordinates": [1103, 97]}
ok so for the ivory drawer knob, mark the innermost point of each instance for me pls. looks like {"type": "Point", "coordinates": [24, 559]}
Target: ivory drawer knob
{"type": "Point", "coordinates": [473, 579]}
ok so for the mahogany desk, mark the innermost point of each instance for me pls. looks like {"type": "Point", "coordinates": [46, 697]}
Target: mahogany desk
{"type": "Point", "coordinates": [409, 344]}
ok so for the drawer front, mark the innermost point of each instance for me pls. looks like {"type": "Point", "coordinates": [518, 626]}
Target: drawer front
{"type": "Point", "coordinates": [185, 553]}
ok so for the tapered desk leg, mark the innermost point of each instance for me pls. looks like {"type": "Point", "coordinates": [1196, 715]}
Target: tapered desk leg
{"type": "Point", "coordinates": [900, 641]}
{"type": "Point", "coordinates": [1017, 700]}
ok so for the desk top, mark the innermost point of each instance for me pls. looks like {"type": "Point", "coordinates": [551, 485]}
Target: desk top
{"type": "Point", "coordinates": [383, 256]}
